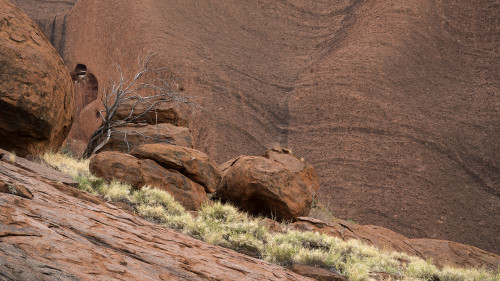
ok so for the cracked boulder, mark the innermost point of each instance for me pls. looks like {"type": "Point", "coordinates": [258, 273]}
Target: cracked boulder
{"type": "Point", "coordinates": [192, 163]}
{"type": "Point", "coordinates": [264, 187]}
{"type": "Point", "coordinates": [125, 168]}
{"type": "Point", "coordinates": [36, 91]}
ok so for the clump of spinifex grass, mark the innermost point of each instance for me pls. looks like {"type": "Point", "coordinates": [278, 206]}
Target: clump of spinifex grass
{"type": "Point", "coordinates": [223, 225]}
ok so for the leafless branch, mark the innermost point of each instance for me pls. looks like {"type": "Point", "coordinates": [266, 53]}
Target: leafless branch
{"type": "Point", "coordinates": [140, 89]}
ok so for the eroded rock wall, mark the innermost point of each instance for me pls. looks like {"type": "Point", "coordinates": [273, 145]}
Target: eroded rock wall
{"type": "Point", "coordinates": [394, 103]}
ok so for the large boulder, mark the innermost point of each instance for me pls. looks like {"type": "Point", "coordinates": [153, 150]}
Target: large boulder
{"type": "Point", "coordinates": [263, 186]}
{"type": "Point", "coordinates": [194, 164]}
{"type": "Point", "coordinates": [125, 138]}
{"type": "Point", "coordinates": [36, 92]}
{"type": "Point", "coordinates": [139, 172]}
{"type": "Point", "coordinates": [296, 164]}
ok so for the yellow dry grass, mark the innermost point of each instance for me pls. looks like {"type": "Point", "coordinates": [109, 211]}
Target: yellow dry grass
{"type": "Point", "coordinates": [223, 225]}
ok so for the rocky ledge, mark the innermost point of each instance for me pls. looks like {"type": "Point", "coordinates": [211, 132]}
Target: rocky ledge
{"type": "Point", "coordinates": [62, 233]}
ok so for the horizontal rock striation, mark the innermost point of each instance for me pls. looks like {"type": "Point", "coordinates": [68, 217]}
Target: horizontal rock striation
{"type": "Point", "coordinates": [395, 104]}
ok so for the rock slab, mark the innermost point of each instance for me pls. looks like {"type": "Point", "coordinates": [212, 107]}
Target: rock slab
{"type": "Point", "coordinates": [126, 138]}
{"type": "Point", "coordinates": [298, 165]}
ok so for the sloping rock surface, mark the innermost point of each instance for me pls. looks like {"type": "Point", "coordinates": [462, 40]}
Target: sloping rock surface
{"type": "Point", "coordinates": [442, 252]}
{"type": "Point", "coordinates": [36, 92]}
{"type": "Point", "coordinates": [56, 236]}
{"type": "Point", "coordinates": [394, 103]}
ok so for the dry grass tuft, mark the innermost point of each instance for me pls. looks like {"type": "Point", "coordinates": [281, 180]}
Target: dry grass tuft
{"type": "Point", "coordinates": [223, 225]}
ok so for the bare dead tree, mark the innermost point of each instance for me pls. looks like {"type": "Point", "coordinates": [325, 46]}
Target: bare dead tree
{"type": "Point", "coordinates": [141, 88]}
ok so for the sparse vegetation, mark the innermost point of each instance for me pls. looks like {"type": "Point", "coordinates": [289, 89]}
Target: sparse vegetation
{"type": "Point", "coordinates": [12, 157]}
{"type": "Point", "coordinates": [222, 224]}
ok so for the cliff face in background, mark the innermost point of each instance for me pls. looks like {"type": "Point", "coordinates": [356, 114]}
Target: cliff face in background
{"type": "Point", "coordinates": [49, 15]}
{"type": "Point", "coordinates": [395, 104]}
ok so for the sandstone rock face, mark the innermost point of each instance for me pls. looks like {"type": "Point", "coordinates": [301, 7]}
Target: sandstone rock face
{"type": "Point", "coordinates": [154, 111]}
{"type": "Point", "coordinates": [87, 110]}
{"type": "Point", "coordinates": [66, 234]}
{"type": "Point", "coordinates": [304, 170]}
{"type": "Point", "coordinates": [50, 17]}
{"type": "Point", "coordinates": [36, 93]}
{"type": "Point", "coordinates": [128, 169]}
{"type": "Point", "coordinates": [442, 252]}
{"type": "Point", "coordinates": [262, 186]}
{"type": "Point", "coordinates": [194, 164]}
{"type": "Point", "coordinates": [125, 138]}
{"type": "Point", "coordinates": [389, 101]}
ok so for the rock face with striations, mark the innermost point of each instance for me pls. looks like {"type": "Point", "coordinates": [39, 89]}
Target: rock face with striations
{"type": "Point", "coordinates": [50, 17]}
{"type": "Point", "coordinates": [36, 93]}
{"type": "Point", "coordinates": [392, 102]}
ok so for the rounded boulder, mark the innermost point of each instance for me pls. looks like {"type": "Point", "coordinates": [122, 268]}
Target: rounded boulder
{"type": "Point", "coordinates": [264, 187]}
{"type": "Point", "coordinates": [36, 90]}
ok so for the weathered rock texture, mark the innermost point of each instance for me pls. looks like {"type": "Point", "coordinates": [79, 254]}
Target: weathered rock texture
{"type": "Point", "coordinates": [320, 274]}
{"type": "Point", "coordinates": [442, 252]}
{"type": "Point", "coordinates": [50, 16]}
{"type": "Point", "coordinates": [264, 187]}
{"type": "Point", "coordinates": [87, 110]}
{"type": "Point", "coordinates": [155, 111]}
{"type": "Point", "coordinates": [136, 172]}
{"type": "Point", "coordinates": [65, 234]}
{"type": "Point", "coordinates": [194, 164]}
{"type": "Point", "coordinates": [36, 93]}
{"type": "Point", "coordinates": [298, 165]}
{"type": "Point", "coordinates": [394, 103]}
{"type": "Point", "coordinates": [125, 138]}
